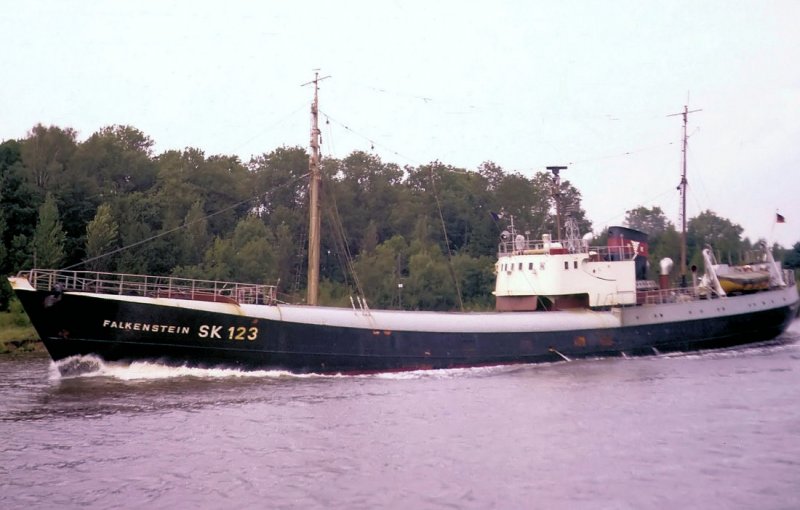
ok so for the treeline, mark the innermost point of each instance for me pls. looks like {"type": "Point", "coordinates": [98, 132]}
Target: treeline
{"type": "Point", "coordinates": [109, 203]}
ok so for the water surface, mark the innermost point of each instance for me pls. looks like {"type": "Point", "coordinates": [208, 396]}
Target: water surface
{"type": "Point", "coordinates": [710, 430]}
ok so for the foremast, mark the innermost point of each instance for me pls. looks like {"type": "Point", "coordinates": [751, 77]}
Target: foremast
{"type": "Point", "coordinates": [312, 296]}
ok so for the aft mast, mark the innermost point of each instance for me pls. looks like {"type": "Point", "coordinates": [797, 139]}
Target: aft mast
{"type": "Point", "coordinates": [312, 296]}
{"type": "Point", "coordinates": [682, 188]}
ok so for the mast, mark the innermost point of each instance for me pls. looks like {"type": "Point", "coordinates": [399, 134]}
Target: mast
{"type": "Point", "coordinates": [682, 188]}
{"type": "Point", "coordinates": [557, 197]}
{"type": "Point", "coordinates": [312, 295]}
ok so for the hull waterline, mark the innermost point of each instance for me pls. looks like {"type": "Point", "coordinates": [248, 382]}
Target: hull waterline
{"type": "Point", "coordinates": [325, 340]}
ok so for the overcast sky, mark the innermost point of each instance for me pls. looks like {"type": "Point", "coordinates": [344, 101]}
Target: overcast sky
{"type": "Point", "coordinates": [526, 84]}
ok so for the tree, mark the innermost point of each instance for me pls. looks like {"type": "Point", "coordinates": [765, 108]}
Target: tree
{"type": "Point", "coordinates": [380, 271]}
{"type": "Point", "coordinates": [526, 201]}
{"type": "Point", "coordinates": [19, 204]}
{"type": "Point", "coordinates": [217, 263]}
{"type": "Point", "coordinates": [652, 222]}
{"type": "Point", "coordinates": [277, 179]}
{"type": "Point", "coordinates": [49, 237]}
{"type": "Point", "coordinates": [46, 152]}
{"type": "Point", "coordinates": [248, 255]}
{"type": "Point", "coordinates": [118, 159]}
{"type": "Point", "coordinates": [221, 183]}
{"type": "Point", "coordinates": [5, 288]}
{"type": "Point", "coordinates": [253, 251]}
{"type": "Point", "coordinates": [476, 280]}
{"type": "Point", "coordinates": [2, 234]}
{"type": "Point", "coordinates": [429, 285]}
{"type": "Point", "coordinates": [457, 198]}
{"type": "Point", "coordinates": [663, 239]}
{"type": "Point", "coordinates": [709, 229]}
{"type": "Point", "coordinates": [493, 174]}
{"type": "Point", "coordinates": [792, 258]}
{"type": "Point", "coordinates": [102, 234]}
{"type": "Point", "coordinates": [140, 225]}
{"type": "Point", "coordinates": [194, 238]}
{"type": "Point", "coordinates": [361, 183]}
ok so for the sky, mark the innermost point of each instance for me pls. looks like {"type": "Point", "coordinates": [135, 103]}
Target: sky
{"type": "Point", "coordinates": [525, 84]}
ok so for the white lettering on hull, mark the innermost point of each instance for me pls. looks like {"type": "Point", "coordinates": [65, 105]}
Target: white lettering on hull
{"type": "Point", "coordinates": [170, 329]}
{"type": "Point", "coordinates": [205, 331]}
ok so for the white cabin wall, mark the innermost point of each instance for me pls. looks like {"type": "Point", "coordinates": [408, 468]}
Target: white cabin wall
{"type": "Point", "coordinates": [606, 282]}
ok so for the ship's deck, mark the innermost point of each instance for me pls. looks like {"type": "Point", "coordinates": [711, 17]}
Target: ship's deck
{"type": "Point", "coordinates": [149, 286]}
{"type": "Point", "coordinates": [53, 280]}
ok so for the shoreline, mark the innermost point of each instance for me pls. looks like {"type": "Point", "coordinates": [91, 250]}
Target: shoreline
{"type": "Point", "coordinates": [27, 345]}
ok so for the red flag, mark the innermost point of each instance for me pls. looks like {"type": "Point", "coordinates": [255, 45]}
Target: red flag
{"type": "Point", "coordinates": [779, 218]}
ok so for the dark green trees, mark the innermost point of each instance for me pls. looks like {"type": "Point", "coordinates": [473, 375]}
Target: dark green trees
{"type": "Point", "coordinates": [49, 236]}
{"type": "Point", "coordinates": [417, 236]}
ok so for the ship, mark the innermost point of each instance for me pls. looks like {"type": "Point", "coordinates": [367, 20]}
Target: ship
{"type": "Point", "coordinates": [557, 298]}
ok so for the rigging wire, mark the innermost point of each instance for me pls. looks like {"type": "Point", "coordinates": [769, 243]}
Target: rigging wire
{"type": "Point", "coordinates": [298, 265]}
{"type": "Point", "coordinates": [414, 161]}
{"type": "Point", "coordinates": [446, 242]}
{"type": "Point", "coordinates": [371, 141]}
{"type": "Point", "coordinates": [329, 133]}
{"type": "Point", "coordinates": [622, 154]}
{"type": "Point", "coordinates": [649, 200]}
{"type": "Point", "coordinates": [274, 125]}
{"type": "Point", "coordinates": [341, 239]}
{"type": "Point", "coordinates": [340, 236]}
{"type": "Point", "coordinates": [183, 225]}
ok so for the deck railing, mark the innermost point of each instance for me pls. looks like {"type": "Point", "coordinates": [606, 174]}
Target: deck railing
{"type": "Point", "coordinates": [150, 286]}
{"type": "Point", "coordinates": [531, 247]}
{"type": "Point", "coordinates": [673, 295]}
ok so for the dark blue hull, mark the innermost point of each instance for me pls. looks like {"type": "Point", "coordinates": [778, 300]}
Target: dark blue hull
{"type": "Point", "coordinates": [121, 329]}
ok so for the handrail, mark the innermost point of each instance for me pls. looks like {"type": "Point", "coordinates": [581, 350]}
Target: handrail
{"type": "Point", "coordinates": [674, 295]}
{"type": "Point", "coordinates": [538, 247]}
{"type": "Point", "coordinates": [150, 286]}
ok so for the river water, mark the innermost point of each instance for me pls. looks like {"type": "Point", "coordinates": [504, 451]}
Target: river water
{"type": "Point", "coordinates": [705, 430]}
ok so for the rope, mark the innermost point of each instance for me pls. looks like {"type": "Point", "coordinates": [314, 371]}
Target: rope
{"type": "Point", "coordinates": [447, 243]}
{"type": "Point", "coordinates": [341, 239]}
{"type": "Point", "coordinates": [182, 226]}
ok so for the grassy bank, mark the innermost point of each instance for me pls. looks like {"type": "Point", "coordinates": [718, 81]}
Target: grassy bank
{"type": "Point", "coordinates": [16, 332]}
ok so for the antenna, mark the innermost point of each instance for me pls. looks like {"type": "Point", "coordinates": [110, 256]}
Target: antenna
{"type": "Point", "coordinates": [682, 188]}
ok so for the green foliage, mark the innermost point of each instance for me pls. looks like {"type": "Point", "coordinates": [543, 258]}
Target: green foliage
{"type": "Point", "coordinates": [102, 234]}
{"type": "Point", "coordinates": [476, 280]}
{"type": "Point", "coordinates": [194, 239]}
{"type": "Point", "coordinates": [49, 237]}
{"type": "Point", "coordinates": [46, 153]}
{"type": "Point", "coordinates": [652, 222]}
{"type": "Point", "coordinates": [252, 246]}
{"type": "Point", "coordinates": [667, 244]}
{"type": "Point", "coordinates": [663, 239]}
{"type": "Point", "coordinates": [3, 250]}
{"type": "Point", "coordinates": [360, 183]}
{"type": "Point", "coordinates": [381, 270]}
{"type": "Point", "coordinates": [248, 255]}
{"type": "Point", "coordinates": [16, 332]}
{"type": "Point", "coordinates": [723, 236]}
{"type": "Point", "coordinates": [6, 294]}
{"type": "Point", "coordinates": [791, 259]}
{"type": "Point", "coordinates": [19, 205]}
{"type": "Point", "coordinates": [429, 285]}
{"type": "Point", "coordinates": [211, 216]}
{"type": "Point", "coordinates": [116, 159]}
